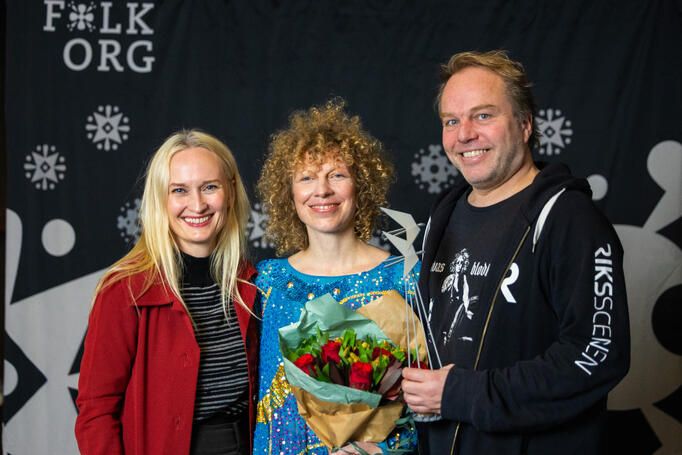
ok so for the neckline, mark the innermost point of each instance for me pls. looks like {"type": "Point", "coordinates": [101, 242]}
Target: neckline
{"type": "Point", "coordinates": [196, 271]}
{"type": "Point", "coordinates": [295, 272]}
{"type": "Point", "coordinates": [510, 200]}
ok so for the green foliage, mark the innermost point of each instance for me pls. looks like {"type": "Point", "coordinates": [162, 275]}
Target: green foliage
{"type": "Point", "coordinates": [352, 350]}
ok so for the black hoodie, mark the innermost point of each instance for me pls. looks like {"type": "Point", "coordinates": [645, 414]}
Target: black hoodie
{"type": "Point", "coordinates": [544, 365]}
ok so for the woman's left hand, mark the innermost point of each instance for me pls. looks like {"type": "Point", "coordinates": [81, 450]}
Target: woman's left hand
{"type": "Point", "coordinates": [369, 447]}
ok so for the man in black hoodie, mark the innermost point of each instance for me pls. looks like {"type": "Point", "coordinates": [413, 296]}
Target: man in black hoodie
{"type": "Point", "coordinates": [523, 282]}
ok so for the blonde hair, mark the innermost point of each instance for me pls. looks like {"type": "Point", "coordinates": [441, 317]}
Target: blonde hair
{"type": "Point", "coordinates": [512, 73]}
{"type": "Point", "coordinates": [156, 254]}
{"type": "Point", "coordinates": [314, 136]}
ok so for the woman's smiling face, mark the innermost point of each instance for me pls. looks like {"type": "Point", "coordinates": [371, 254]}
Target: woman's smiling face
{"type": "Point", "coordinates": [198, 200]}
{"type": "Point", "coordinates": [324, 196]}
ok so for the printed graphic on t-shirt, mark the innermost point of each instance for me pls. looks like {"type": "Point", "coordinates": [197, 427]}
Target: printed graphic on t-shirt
{"type": "Point", "coordinates": [458, 295]}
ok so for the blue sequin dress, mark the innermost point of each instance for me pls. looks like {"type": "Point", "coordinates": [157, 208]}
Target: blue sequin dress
{"type": "Point", "coordinates": [280, 430]}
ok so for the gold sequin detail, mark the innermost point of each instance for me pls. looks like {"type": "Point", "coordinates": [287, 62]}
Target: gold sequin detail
{"type": "Point", "coordinates": [311, 447]}
{"type": "Point", "coordinates": [369, 294]}
{"type": "Point", "coordinates": [264, 300]}
{"type": "Point", "coordinates": [274, 399]}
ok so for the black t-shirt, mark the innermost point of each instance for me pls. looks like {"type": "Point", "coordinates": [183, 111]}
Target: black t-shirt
{"type": "Point", "coordinates": [462, 265]}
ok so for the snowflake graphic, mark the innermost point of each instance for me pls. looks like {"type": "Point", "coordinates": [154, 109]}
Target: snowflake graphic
{"type": "Point", "coordinates": [433, 169]}
{"type": "Point", "coordinates": [555, 131]}
{"type": "Point", "coordinates": [255, 228]}
{"type": "Point", "coordinates": [81, 16]}
{"type": "Point", "coordinates": [128, 223]}
{"type": "Point", "coordinates": [107, 127]}
{"type": "Point", "coordinates": [45, 167]}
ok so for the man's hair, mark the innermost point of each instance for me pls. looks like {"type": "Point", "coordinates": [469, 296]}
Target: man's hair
{"type": "Point", "coordinates": [512, 73]}
{"type": "Point", "coordinates": [315, 136]}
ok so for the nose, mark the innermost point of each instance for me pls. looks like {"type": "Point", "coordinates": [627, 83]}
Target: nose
{"type": "Point", "coordinates": [466, 131]}
{"type": "Point", "coordinates": [323, 188]}
{"type": "Point", "coordinates": [197, 203]}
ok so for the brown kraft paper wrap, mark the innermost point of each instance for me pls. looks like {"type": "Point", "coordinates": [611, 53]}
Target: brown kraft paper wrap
{"type": "Point", "coordinates": [338, 423]}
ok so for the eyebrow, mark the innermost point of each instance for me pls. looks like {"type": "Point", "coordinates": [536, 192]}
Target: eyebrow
{"type": "Point", "coordinates": [202, 183]}
{"type": "Point", "coordinates": [473, 109]}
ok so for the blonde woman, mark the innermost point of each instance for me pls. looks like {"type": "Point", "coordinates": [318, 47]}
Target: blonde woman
{"type": "Point", "coordinates": [170, 353]}
{"type": "Point", "coordinates": [322, 185]}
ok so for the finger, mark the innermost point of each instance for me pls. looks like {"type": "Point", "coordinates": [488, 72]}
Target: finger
{"type": "Point", "coordinates": [421, 406]}
{"type": "Point", "coordinates": [418, 409]}
{"type": "Point", "coordinates": [412, 388]}
{"type": "Point", "coordinates": [413, 374]}
{"type": "Point", "coordinates": [413, 399]}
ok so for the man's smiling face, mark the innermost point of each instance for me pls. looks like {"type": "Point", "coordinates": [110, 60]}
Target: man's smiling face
{"type": "Point", "coordinates": [481, 135]}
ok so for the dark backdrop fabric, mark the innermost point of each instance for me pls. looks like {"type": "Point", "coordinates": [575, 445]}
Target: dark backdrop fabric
{"type": "Point", "coordinates": [93, 87]}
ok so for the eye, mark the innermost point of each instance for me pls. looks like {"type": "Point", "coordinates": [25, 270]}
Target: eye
{"type": "Point", "coordinates": [177, 190]}
{"type": "Point", "coordinates": [449, 122]}
{"type": "Point", "coordinates": [210, 187]}
{"type": "Point", "coordinates": [483, 116]}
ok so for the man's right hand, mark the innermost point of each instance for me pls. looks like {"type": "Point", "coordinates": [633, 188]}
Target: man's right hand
{"type": "Point", "coordinates": [423, 389]}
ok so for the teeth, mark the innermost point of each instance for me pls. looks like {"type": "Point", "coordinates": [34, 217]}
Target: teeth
{"type": "Point", "coordinates": [203, 219]}
{"type": "Point", "coordinates": [323, 207]}
{"type": "Point", "coordinates": [473, 153]}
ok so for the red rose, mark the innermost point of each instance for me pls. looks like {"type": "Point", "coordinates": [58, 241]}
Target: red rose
{"type": "Point", "coordinates": [422, 365]}
{"type": "Point", "coordinates": [330, 351]}
{"type": "Point", "coordinates": [381, 351]}
{"type": "Point", "coordinates": [306, 363]}
{"type": "Point", "coordinates": [360, 375]}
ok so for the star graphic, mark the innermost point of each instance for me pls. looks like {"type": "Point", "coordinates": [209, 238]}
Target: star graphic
{"type": "Point", "coordinates": [555, 126]}
{"type": "Point", "coordinates": [107, 127]}
{"type": "Point", "coordinates": [45, 166]}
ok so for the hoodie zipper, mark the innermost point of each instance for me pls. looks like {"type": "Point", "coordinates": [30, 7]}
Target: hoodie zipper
{"type": "Point", "coordinates": [487, 321]}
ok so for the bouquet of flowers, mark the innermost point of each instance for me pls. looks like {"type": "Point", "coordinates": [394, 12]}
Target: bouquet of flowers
{"type": "Point", "coordinates": [353, 362]}
{"type": "Point", "coordinates": [344, 366]}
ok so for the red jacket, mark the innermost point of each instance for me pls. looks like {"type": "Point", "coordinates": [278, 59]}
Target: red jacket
{"type": "Point", "coordinates": [139, 371]}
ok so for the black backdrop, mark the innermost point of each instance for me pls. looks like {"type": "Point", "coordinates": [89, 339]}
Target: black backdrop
{"type": "Point", "coordinates": [93, 87]}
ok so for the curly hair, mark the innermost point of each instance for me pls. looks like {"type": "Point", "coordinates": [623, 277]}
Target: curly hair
{"type": "Point", "coordinates": [315, 136]}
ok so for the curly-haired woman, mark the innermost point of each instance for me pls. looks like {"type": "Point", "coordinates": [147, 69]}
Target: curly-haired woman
{"type": "Point", "coordinates": [322, 185]}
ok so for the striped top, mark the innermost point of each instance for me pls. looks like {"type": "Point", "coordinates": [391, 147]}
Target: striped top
{"type": "Point", "coordinates": [223, 382]}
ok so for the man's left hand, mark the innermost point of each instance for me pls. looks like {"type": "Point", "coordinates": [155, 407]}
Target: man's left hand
{"type": "Point", "coordinates": [423, 389]}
